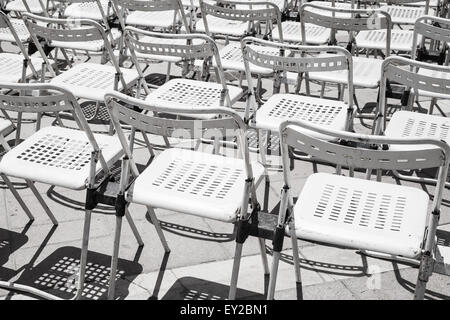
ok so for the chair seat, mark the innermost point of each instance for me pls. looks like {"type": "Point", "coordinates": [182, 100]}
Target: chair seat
{"type": "Point", "coordinates": [407, 124]}
{"type": "Point", "coordinates": [366, 73]}
{"type": "Point", "coordinates": [19, 27]}
{"type": "Point", "coordinates": [155, 19]}
{"type": "Point", "coordinates": [88, 10]}
{"type": "Point", "coordinates": [280, 107]}
{"type": "Point", "coordinates": [11, 66]}
{"type": "Point", "coordinates": [362, 214]}
{"type": "Point", "coordinates": [405, 14]}
{"type": "Point", "coordinates": [338, 5]}
{"type": "Point", "coordinates": [58, 156]}
{"type": "Point", "coordinates": [193, 182]}
{"type": "Point", "coordinates": [401, 40]}
{"type": "Point", "coordinates": [34, 5]}
{"type": "Point", "coordinates": [92, 81]}
{"type": "Point", "coordinates": [444, 94]}
{"type": "Point", "coordinates": [292, 32]}
{"type": "Point", "coordinates": [190, 94]}
{"type": "Point", "coordinates": [223, 26]}
{"type": "Point", "coordinates": [94, 45]}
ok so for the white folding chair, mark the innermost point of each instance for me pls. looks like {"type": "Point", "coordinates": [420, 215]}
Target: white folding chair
{"type": "Point", "coordinates": [361, 214]}
{"type": "Point", "coordinates": [403, 14]}
{"type": "Point", "coordinates": [419, 77]}
{"type": "Point", "coordinates": [67, 158]}
{"type": "Point", "coordinates": [192, 182]}
{"type": "Point", "coordinates": [88, 81]}
{"type": "Point", "coordinates": [185, 48]}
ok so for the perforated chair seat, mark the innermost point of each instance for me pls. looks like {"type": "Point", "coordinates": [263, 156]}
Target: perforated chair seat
{"type": "Point", "coordinates": [407, 124]}
{"type": "Point", "coordinates": [190, 94]}
{"type": "Point", "coordinates": [34, 5]}
{"type": "Point", "coordinates": [366, 74]}
{"type": "Point", "coordinates": [223, 26]}
{"type": "Point", "coordinates": [11, 66]}
{"type": "Point", "coordinates": [155, 19]}
{"type": "Point", "coordinates": [88, 10]}
{"type": "Point", "coordinates": [282, 107]}
{"type": "Point", "coordinates": [315, 35]}
{"type": "Point", "coordinates": [437, 76]}
{"type": "Point", "coordinates": [58, 156]}
{"type": "Point", "coordinates": [401, 40]}
{"type": "Point", "coordinates": [94, 45]}
{"type": "Point", "coordinates": [405, 14]}
{"type": "Point", "coordinates": [92, 81]}
{"type": "Point", "coordinates": [362, 214]}
{"type": "Point", "coordinates": [193, 182]}
{"type": "Point", "coordinates": [19, 27]}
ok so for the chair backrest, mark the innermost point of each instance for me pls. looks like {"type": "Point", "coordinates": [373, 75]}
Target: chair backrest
{"type": "Point", "coordinates": [414, 75]}
{"type": "Point", "coordinates": [350, 20]}
{"type": "Point", "coordinates": [62, 32]}
{"type": "Point", "coordinates": [420, 154]}
{"type": "Point", "coordinates": [246, 11]}
{"type": "Point", "coordinates": [42, 97]}
{"type": "Point", "coordinates": [121, 109]}
{"type": "Point", "coordinates": [191, 47]}
{"type": "Point", "coordinates": [124, 7]}
{"type": "Point", "coordinates": [297, 59]}
{"type": "Point", "coordinates": [432, 28]}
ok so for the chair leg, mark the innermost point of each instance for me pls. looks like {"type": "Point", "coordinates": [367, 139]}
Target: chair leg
{"type": "Point", "coordinates": [295, 253]}
{"type": "Point", "coordinates": [17, 196]}
{"type": "Point", "coordinates": [262, 247]}
{"type": "Point", "coordinates": [157, 226]}
{"type": "Point", "coordinates": [425, 271]}
{"type": "Point", "coordinates": [114, 259]}
{"type": "Point", "coordinates": [42, 202]}
{"type": "Point", "coordinates": [235, 272]}
{"type": "Point", "coordinates": [84, 252]}
{"type": "Point", "coordinates": [133, 228]}
{"type": "Point", "coordinates": [273, 275]}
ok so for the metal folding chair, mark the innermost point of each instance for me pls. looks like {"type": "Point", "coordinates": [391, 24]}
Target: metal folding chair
{"type": "Point", "coordinates": [356, 213]}
{"type": "Point", "coordinates": [184, 48]}
{"type": "Point", "coordinates": [402, 13]}
{"type": "Point", "coordinates": [56, 156]}
{"type": "Point", "coordinates": [418, 77]}
{"type": "Point", "coordinates": [191, 182]}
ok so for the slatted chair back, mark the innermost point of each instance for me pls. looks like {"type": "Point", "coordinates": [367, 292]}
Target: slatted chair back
{"type": "Point", "coordinates": [435, 29]}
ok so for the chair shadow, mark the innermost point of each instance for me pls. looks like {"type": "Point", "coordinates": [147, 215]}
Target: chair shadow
{"type": "Point", "coordinates": [10, 242]}
{"type": "Point", "coordinates": [191, 288]}
{"type": "Point", "coordinates": [57, 274]}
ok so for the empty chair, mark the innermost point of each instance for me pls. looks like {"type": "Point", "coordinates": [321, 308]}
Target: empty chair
{"type": "Point", "coordinates": [356, 213]}
{"type": "Point", "coordinates": [192, 182]}
{"type": "Point", "coordinates": [403, 13]}
{"type": "Point", "coordinates": [185, 48]}
{"type": "Point", "coordinates": [62, 157]}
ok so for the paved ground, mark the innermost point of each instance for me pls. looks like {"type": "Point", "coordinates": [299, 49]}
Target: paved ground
{"type": "Point", "coordinates": [199, 265]}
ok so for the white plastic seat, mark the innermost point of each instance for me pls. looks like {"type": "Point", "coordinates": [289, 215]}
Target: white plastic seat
{"type": "Point", "coordinates": [405, 14]}
{"type": "Point", "coordinates": [436, 75]}
{"type": "Point", "coordinates": [362, 214]}
{"type": "Point", "coordinates": [58, 156]}
{"type": "Point", "coordinates": [292, 33]}
{"type": "Point", "coordinates": [282, 107]}
{"type": "Point", "coordinates": [193, 182]}
{"type": "Point", "coordinates": [159, 19]}
{"type": "Point", "coordinates": [11, 66]}
{"type": "Point", "coordinates": [406, 124]}
{"type": "Point", "coordinates": [401, 40]}
{"type": "Point", "coordinates": [366, 73]}
{"type": "Point", "coordinates": [19, 27]}
{"type": "Point", "coordinates": [34, 5]}
{"type": "Point", "coordinates": [92, 81]}
{"type": "Point", "coordinates": [94, 45]}
{"type": "Point", "coordinates": [190, 94]}
{"type": "Point", "coordinates": [88, 10]}
{"type": "Point", "coordinates": [222, 26]}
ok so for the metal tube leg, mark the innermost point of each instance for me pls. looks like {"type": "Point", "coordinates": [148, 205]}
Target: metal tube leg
{"type": "Point", "coordinates": [235, 272]}
{"type": "Point", "coordinates": [157, 226]}
{"type": "Point", "coordinates": [273, 275]}
{"type": "Point", "coordinates": [18, 197]}
{"type": "Point", "coordinates": [114, 259]}
{"type": "Point", "coordinates": [84, 252]}
{"type": "Point", "coordinates": [262, 247]}
{"type": "Point", "coordinates": [42, 202]}
{"type": "Point", "coordinates": [133, 228]}
{"type": "Point", "coordinates": [295, 253]}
